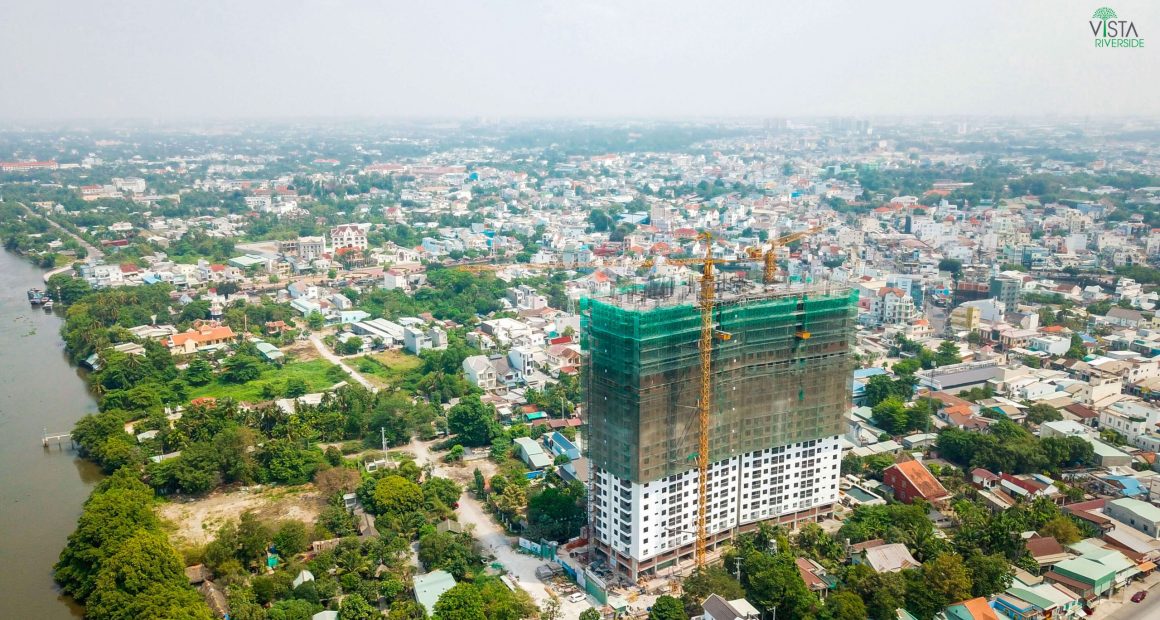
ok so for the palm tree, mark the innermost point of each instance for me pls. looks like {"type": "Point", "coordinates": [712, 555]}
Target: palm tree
{"type": "Point", "coordinates": [1104, 14]}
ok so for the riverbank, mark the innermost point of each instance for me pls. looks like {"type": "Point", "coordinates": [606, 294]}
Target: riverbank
{"type": "Point", "coordinates": [43, 489]}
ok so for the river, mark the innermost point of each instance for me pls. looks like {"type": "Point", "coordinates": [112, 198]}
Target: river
{"type": "Point", "coordinates": [41, 490]}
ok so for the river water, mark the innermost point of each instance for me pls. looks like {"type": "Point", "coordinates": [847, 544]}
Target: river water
{"type": "Point", "coordinates": [41, 490]}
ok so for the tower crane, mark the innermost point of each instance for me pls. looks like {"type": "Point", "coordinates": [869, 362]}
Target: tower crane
{"type": "Point", "coordinates": [769, 256]}
{"type": "Point", "coordinates": [706, 303]}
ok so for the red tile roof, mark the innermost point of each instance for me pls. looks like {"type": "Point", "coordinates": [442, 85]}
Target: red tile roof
{"type": "Point", "coordinates": [919, 476]}
{"type": "Point", "coordinates": [1030, 486]}
{"type": "Point", "coordinates": [979, 472]}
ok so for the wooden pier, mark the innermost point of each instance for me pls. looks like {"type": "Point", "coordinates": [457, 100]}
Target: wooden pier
{"type": "Point", "coordinates": [58, 439]}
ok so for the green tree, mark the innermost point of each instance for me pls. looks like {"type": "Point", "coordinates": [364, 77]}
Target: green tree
{"type": "Point", "coordinates": [890, 416]}
{"type": "Point", "coordinates": [556, 514]}
{"type": "Point", "coordinates": [551, 609]}
{"type": "Point", "coordinates": [282, 461]}
{"type": "Point", "coordinates": [1042, 412]}
{"type": "Point", "coordinates": [109, 519]}
{"type": "Point", "coordinates": [447, 551]}
{"type": "Point", "coordinates": [355, 607]}
{"type": "Point", "coordinates": [918, 415]}
{"type": "Point", "coordinates": [844, 605]}
{"type": "Point", "coordinates": [472, 421]}
{"type": "Point", "coordinates": [480, 483]}
{"type": "Point", "coordinates": [667, 608]}
{"type": "Point", "coordinates": [1077, 350]}
{"type": "Point", "coordinates": [591, 614]}
{"type": "Point", "coordinates": [881, 387]}
{"type": "Point", "coordinates": [315, 321]}
{"type": "Point", "coordinates": [953, 265]}
{"type": "Point", "coordinates": [462, 602]}
{"type": "Point", "coordinates": [940, 582]}
{"type": "Point", "coordinates": [705, 581]}
{"type": "Point", "coordinates": [773, 580]}
{"type": "Point", "coordinates": [350, 345]}
{"type": "Point", "coordinates": [397, 496]}
{"type": "Point", "coordinates": [500, 603]}
{"type": "Point", "coordinates": [233, 449]}
{"type": "Point", "coordinates": [295, 387]}
{"type": "Point", "coordinates": [253, 538]}
{"type": "Point", "coordinates": [136, 581]}
{"type": "Point", "coordinates": [882, 593]}
{"type": "Point", "coordinates": [293, 609]}
{"type": "Point", "coordinates": [990, 574]}
{"type": "Point", "coordinates": [199, 372]}
{"type": "Point", "coordinates": [442, 490]}
{"type": "Point", "coordinates": [906, 367]}
{"type": "Point", "coordinates": [242, 369]}
{"type": "Point", "coordinates": [947, 354]}
{"type": "Point", "coordinates": [291, 538]}
{"type": "Point", "coordinates": [1062, 529]}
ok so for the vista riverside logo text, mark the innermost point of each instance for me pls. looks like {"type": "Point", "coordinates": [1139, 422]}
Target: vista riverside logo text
{"type": "Point", "coordinates": [1111, 31]}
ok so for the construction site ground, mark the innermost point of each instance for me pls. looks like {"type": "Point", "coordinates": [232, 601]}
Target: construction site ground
{"type": "Point", "coordinates": [521, 567]}
{"type": "Point", "coordinates": [196, 521]}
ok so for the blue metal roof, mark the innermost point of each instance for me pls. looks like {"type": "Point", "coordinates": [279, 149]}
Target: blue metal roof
{"type": "Point", "coordinates": [866, 373]}
{"type": "Point", "coordinates": [1131, 485]}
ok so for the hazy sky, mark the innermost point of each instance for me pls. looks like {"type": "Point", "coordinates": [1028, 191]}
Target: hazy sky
{"type": "Point", "coordinates": [174, 59]}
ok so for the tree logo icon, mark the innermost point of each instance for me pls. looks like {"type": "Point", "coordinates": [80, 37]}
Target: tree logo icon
{"type": "Point", "coordinates": [1104, 14]}
{"type": "Point", "coordinates": [1110, 30]}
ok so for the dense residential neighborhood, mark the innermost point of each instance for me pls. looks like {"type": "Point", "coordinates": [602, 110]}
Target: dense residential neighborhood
{"type": "Point", "coordinates": [402, 341]}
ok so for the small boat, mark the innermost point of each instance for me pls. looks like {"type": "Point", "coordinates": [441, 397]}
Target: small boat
{"type": "Point", "coordinates": [48, 305]}
{"type": "Point", "coordinates": [36, 296]}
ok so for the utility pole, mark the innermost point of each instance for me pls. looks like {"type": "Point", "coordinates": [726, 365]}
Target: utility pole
{"type": "Point", "coordinates": [737, 564]}
{"type": "Point", "coordinates": [383, 433]}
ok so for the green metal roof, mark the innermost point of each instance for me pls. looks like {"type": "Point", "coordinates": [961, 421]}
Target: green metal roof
{"type": "Point", "coordinates": [429, 587]}
{"type": "Point", "coordinates": [1103, 450]}
{"type": "Point", "coordinates": [1086, 569]}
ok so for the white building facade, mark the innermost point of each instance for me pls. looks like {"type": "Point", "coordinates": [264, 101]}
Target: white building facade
{"type": "Point", "coordinates": [647, 526]}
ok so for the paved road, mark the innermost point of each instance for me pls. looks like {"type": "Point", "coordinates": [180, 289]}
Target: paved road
{"type": "Point", "coordinates": [329, 356]}
{"type": "Point", "coordinates": [937, 317]}
{"type": "Point", "coordinates": [90, 248]}
{"type": "Point", "coordinates": [1127, 610]}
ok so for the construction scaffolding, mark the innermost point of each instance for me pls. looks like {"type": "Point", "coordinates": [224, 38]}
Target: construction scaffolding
{"type": "Point", "coordinates": [781, 367]}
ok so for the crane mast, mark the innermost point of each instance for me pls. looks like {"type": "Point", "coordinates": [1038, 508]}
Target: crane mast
{"type": "Point", "coordinates": [707, 299]}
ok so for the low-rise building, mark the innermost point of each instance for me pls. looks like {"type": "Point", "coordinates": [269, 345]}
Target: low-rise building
{"type": "Point", "coordinates": [717, 608]}
{"type": "Point", "coordinates": [532, 454]}
{"type": "Point", "coordinates": [198, 337]}
{"type": "Point", "coordinates": [887, 558]}
{"type": "Point", "coordinates": [480, 372]}
{"type": "Point", "coordinates": [1139, 514]}
{"type": "Point", "coordinates": [429, 587]}
{"type": "Point", "coordinates": [911, 480]}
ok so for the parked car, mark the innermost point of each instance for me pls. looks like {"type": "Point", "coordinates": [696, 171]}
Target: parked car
{"type": "Point", "coordinates": [577, 597]}
{"type": "Point", "coordinates": [1139, 596]}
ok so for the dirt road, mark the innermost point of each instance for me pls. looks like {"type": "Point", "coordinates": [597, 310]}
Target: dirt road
{"type": "Point", "coordinates": [521, 568]}
{"type": "Point", "coordinates": [329, 356]}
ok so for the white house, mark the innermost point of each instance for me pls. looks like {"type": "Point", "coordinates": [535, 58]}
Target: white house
{"type": "Point", "coordinates": [480, 371]}
{"type": "Point", "coordinates": [522, 359]}
{"type": "Point", "coordinates": [348, 236]}
{"type": "Point", "coordinates": [892, 306]}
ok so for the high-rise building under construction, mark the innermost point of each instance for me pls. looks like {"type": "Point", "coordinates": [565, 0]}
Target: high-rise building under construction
{"type": "Point", "coordinates": [780, 376]}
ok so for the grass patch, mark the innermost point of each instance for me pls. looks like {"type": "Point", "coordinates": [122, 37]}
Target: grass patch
{"type": "Point", "coordinates": [315, 373]}
{"type": "Point", "coordinates": [390, 367]}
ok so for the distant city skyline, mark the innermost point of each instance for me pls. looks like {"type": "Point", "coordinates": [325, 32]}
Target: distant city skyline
{"type": "Point", "coordinates": [597, 59]}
